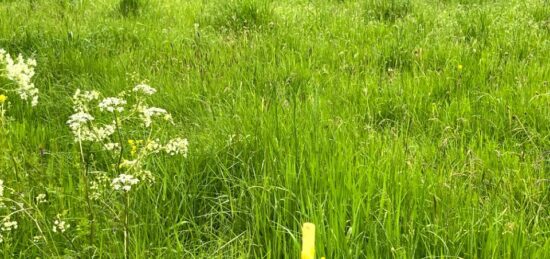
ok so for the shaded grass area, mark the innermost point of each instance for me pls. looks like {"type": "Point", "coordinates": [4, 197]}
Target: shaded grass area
{"type": "Point", "coordinates": [353, 115]}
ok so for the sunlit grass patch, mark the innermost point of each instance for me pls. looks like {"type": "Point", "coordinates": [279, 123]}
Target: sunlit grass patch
{"type": "Point", "coordinates": [387, 10]}
{"type": "Point", "coordinates": [238, 15]}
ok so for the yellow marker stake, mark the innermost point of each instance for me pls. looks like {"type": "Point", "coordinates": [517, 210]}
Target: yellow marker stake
{"type": "Point", "coordinates": [308, 241]}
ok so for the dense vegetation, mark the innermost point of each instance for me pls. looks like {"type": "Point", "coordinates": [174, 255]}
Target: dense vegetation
{"type": "Point", "coordinates": [401, 128]}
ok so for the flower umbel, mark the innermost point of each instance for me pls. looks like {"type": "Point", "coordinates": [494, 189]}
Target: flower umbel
{"type": "Point", "coordinates": [20, 71]}
{"type": "Point", "coordinates": [112, 104]}
{"type": "Point", "coordinates": [41, 198]}
{"type": "Point", "coordinates": [177, 146]}
{"type": "Point", "coordinates": [144, 89]}
{"type": "Point", "coordinates": [148, 113]}
{"type": "Point", "coordinates": [126, 145]}
{"type": "Point", "coordinates": [60, 226]}
{"type": "Point", "coordinates": [124, 182]}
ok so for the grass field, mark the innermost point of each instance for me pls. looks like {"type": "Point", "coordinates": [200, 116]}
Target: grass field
{"type": "Point", "coordinates": [401, 129]}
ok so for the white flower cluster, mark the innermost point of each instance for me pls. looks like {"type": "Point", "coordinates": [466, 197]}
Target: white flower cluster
{"type": "Point", "coordinates": [112, 104]}
{"type": "Point", "coordinates": [102, 133]}
{"type": "Point", "coordinates": [129, 108]}
{"type": "Point", "coordinates": [81, 100]}
{"type": "Point", "coordinates": [81, 121]}
{"type": "Point", "coordinates": [80, 124]}
{"type": "Point", "coordinates": [124, 182]}
{"type": "Point", "coordinates": [60, 226]}
{"type": "Point", "coordinates": [2, 205]}
{"type": "Point", "coordinates": [177, 146]}
{"type": "Point", "coordinates": [78, 120]}
{"type": "Point", "coordinates": [41, 198]}
{"type": "Point", "coordinates": [21, 71]}
{"type": "Point", "coordinates": [153, 146]}
{"type": "Point", "coordinates": [100, 180]}
{"type": "Point", "coordinates": [8, 224]}
{"type": "Point", "coordinates": [111, 146]}
{"type": "Point", "coordinates": [38, 238]}
{"type": "Point", "coordinates": [147, 114]}
{"type": "Point", "coordinates": [144, 89]}
{"type": "Point", "coordinates": [138, 170]}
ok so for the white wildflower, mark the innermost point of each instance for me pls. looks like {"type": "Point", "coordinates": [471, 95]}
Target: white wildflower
{"type": "Point", "coordinates": [21, 71]}
{"type": "Point", "coordinates": [177, 146]}
{"type": "Point", "coordinates": [37, 239]}
{"type": "Point", "coordinates": [168, 117]}
{"type": "Point", "coordinates": [148, 113]}
{"type": "Point", "coordinates": [112, 104]}
{"type": "Point", "coordinates": [8, 224]}
{"type": "Point", "coordinates": [94, 190]}
{"type": "Point", "coordinates": [145, 89]}
{"type": "Point", "coordinates": [96, 185]}
{"type": "Point", "coordinates": [83, 131]}
{"type": "Point", "coordinates": [82, 98]}
{"type": "Point", "coordinates": [145, 175]}
{"type": "Point", "coordinates": [77, 120]}
{"type": "Point", "coordinates": [78, 123]}
{"type": "Point", "coordinates": [124, 182]}
{"type": "Point", "coordinates": [34, 101]}
{"type": "Point", "coordinates": [1, 184]}
{"type": "Point", "coordinates": [41, 198]}
{"type": "Point", "coordinates": [104, 132]}
{"type": "Point", "coordinates": [60, 226]}
{"type": "Point", "coordinates": [153, 146]}
{"type": "Point", "coordinates": [111, 146]}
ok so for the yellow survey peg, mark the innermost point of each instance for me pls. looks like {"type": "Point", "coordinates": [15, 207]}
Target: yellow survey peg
{"type": "Point", "coordinates": [308, 241]}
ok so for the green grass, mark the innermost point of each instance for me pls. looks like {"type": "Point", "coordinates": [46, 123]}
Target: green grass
{"type": "Point", "coordinates": [352, 115]}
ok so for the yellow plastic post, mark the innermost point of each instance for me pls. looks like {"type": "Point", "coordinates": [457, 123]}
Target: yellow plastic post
{"type": "Point", "coordinates": [308, 241]}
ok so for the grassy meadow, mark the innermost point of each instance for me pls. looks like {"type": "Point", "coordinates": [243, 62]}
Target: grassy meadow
{"type": "Point", "coordinates": [400, 128]}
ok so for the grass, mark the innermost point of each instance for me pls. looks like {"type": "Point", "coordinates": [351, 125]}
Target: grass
{"type": "Point", "coordinates": [352, 115]}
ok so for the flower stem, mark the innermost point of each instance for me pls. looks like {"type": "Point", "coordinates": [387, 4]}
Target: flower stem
{"type": "Point", "coordinates": [87, 196]}
{"type": "Point", "coordinates": [117, 126]}
{"type": "Point", "coordinates": [126, 228]}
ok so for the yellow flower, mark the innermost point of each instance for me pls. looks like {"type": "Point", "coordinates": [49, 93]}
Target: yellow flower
{"type": "Point", "coordinates": [3, 98]}
{"type": "Point", "coordinates": [134, 146]}
{"type": "Point", "coordinates": [308, 241]}
{"type": "Point", "coordinates": [459, 67]}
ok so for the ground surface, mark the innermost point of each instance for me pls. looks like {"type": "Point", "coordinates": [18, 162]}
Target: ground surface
{"type": "Point", "coordinates": [401, 129]}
